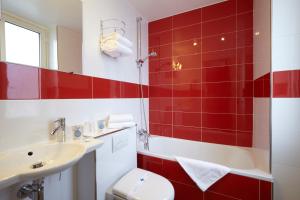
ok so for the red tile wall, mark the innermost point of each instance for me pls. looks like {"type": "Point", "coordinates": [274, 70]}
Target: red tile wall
{"type": "Point", "coordinates": [210, 98]}
{"type": "Point", "coordinates": [19, 82]}
{"type": "Point", "coordinates": [262, 86]}
{"type": "Point", "coordinates": [230, 187]}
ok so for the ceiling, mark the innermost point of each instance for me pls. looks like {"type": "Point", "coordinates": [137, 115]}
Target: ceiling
{"type": "Point", "coordinates": [47, 12]}
{"type": "Point", "coordinates": [157, 9]}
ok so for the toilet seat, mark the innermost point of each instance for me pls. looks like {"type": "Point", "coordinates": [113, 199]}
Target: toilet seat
{"type": "Point", "coordinates": [140, 184]}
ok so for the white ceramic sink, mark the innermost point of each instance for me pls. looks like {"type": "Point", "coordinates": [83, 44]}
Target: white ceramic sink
{"type": "Point", "coordinates": [17, 165]}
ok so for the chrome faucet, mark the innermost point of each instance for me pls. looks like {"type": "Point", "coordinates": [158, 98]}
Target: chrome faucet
{"type": "Point", "coordinates": [144, 136]}
{"type": "Point", "coordinates": [60, 125]}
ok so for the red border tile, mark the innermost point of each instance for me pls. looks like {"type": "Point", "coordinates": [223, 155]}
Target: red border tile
{"type": "Point", "coordinates": [61, 85]}
{"type": "Point", "coordinates": [104, 88]}
{"type": "Point", "coordinates": [130, 90]}
{"type": "Point", "coordinates": [19, 82]}
{"type": "Point", "coordinates": [286, 84]}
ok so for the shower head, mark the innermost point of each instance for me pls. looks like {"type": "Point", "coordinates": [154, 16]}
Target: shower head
{"type": "Point", "coordinates": [141, 61]}
{"type": "Point", "coordinates": [152, 54]}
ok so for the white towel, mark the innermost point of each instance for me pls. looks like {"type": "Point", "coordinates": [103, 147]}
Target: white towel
{"type": "Point", "coordinates": [121, 125]}
{"type": "Point", "coordinates": [117, 37]}
{"type": "Point", "coordinates": [89, 134]}
{"type": "Point", "coordinates": [204, 174]}
{"type": "Point", "coordinates": [115, 49]}
{"type": "Point", "coordinates": [117, 118]}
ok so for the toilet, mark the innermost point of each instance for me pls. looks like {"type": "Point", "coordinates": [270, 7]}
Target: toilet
{"type": "Point", "coordinates": [139, 184]}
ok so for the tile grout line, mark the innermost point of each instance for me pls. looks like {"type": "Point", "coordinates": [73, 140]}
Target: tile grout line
{"type": "Point", "coordinates": [236, 61]}
{"type": "Point", "coordinates": [204, 53]}
{"type": "Point", "coordinates": [202, 22]}
{"type": "Point", "coordinates": [172, 102]}
{"type": "Point", "coordinates": [201, 66]}
{"type": "Point", "coordinates": [203, 37]}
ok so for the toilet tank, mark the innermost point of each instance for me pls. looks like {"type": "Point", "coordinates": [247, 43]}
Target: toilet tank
{"type": "Point", "coordinates": [114, 159]}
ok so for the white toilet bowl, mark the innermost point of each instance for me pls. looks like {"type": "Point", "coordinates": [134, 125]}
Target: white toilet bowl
{"type": "Point", "coordinates": [139, 184]}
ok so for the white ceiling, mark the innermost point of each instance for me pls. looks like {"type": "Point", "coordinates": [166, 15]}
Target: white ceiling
{"type": "Point", "coordinates": [157, 9]}
{"type": "Point", "coordinates": [47, 12]}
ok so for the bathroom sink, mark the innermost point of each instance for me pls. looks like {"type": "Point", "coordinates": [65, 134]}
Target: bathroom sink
{"type": "Point", "coordinates": [38, 160]}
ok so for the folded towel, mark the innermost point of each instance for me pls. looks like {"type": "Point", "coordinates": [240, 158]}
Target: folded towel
{"type": "Point", "coordinates": [117, 37]}
{"type": "Point", "coordinates": [121, 125]}
{"type": "Point", "coordinates": [115, 49]}
{"type": "Point", "coordinates": [204, 174]}
{"type": "Point", "coordinates": [117, 118]}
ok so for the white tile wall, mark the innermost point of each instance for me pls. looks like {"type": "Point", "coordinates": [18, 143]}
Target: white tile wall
{"type": "Point", "coordinates": [286, 183]}
{"type": "Point", "coordinates": [285, 17]}
{"type": "Point", "coordinates": [98, 64]}
{"type": "Point", "coordinates": [26, 122]}
{"type": "Point", "coordinates": [286, 49]}
{"type": "Point", "coordinates": [286, 131]}
{"type": "Point", "coordinates": [286, 111]}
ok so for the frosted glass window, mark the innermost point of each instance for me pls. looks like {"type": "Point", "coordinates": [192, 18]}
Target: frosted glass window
{"type": "Point", "coordinates": [21, 45]}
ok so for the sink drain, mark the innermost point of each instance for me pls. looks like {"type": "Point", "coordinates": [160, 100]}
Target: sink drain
{"type": "Point", "coordinates": [37, 165]}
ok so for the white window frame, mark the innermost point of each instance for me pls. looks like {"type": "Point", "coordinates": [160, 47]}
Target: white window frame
{"type": "Point", "coordinates": [32, 26]}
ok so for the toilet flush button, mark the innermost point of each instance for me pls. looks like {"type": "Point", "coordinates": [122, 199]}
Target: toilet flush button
{"type": "Point", "coordinates": [119, 141]}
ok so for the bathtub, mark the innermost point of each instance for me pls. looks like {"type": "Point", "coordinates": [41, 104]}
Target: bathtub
{"type": "Point", "coordinates": [243, 161]}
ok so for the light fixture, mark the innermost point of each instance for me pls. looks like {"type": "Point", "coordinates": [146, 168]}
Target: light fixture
{"type": "Point", "coordinates": [177, 66]}
{"type": "Point", "coordinates": [222, 38]}
{"type": "Point", "coordinates": [257, 33]}
{"type": "Point", "coordinates": [195, 42]}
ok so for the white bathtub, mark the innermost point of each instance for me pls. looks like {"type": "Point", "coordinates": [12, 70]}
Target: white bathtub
{"type": "Point", "coordinates": [243, 161]}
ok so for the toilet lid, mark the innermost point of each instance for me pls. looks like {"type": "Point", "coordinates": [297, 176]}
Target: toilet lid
{"type": "Point", "coordinates": [140, 184]}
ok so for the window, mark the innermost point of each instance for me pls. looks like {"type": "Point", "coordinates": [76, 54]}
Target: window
{"type": "Point", "coordinates": [22, 41]}
{"type": "Point", "coordinates": [21, 45]}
